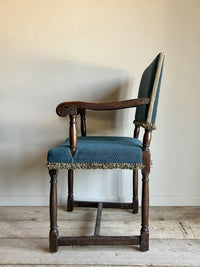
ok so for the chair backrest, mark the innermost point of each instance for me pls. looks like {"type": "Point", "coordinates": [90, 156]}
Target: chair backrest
{"type": "Point", "coordinates": [150, 87]}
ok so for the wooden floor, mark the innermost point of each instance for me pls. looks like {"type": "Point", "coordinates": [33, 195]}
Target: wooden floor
{"type": "Point", "coordinates": [174, 237]}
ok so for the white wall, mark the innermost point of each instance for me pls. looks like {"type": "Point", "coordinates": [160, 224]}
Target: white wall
{"type": "Point", "coordinates": [53, 51]}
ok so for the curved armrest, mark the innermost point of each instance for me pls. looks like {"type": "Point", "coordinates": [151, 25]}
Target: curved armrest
{"type": "Point", "coordinates": [63, 109]}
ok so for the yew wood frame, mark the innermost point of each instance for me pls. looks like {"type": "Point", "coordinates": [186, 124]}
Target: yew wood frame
{"type": "Point", "coordinates": [73, 109]}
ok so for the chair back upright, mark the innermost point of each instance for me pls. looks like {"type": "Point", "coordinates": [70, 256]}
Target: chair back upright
{"type": "Point", "coordinates": [150, 87]}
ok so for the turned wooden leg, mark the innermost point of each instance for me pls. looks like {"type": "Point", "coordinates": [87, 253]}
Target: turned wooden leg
{"type": "Point", "coordinates": [144, 245]}
{"type": "Point", "coordinates": [53, 234]}
{"type": "Point", "coordinates": [135, 191]}
{"type": "Point", "coordinates": [70, 191]}
{"type": "Point", "coordinates": [135, 176]}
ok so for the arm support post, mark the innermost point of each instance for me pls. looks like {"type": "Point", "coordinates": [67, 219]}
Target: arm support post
{"type": "Point", "coordinates": [73, 134]}
{"type": "Point", "coordinates": [73, 129]}
{"type": "Point", "coordinates": [83, 123]}
{"type": "Point", "coordinates": [136, 131]}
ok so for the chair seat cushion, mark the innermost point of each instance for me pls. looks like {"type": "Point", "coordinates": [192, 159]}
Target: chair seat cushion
{"type": "Point", "coordinates": [97, 152]}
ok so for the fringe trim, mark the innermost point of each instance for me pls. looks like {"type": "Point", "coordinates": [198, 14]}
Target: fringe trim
{"type": "Point", "coordinates": [155, 87]}
{"type": "Point", "coordinates": [145, 125]}
{"type": "Point", "coordinates": [51, 165]}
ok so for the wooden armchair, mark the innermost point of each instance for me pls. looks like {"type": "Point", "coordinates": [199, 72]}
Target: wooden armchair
{"type": "Point", "coordinates": [107, 152]}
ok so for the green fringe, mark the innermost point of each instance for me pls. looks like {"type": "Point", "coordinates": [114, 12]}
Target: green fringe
{"type": "Point", "coordinates": [149, 126]}
{"type": "Point", "coordinates": [51, 165]}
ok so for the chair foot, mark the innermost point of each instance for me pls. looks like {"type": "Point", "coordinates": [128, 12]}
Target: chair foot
{"type": "Point", "coordinates": [135, 205]}
{"type": "Point", "coordinates": [144, 243]}
{"type": "Point", "coordinates": [53, 240]}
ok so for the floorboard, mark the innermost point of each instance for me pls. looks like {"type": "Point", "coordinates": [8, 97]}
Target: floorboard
{"type": "Point", "coordinates": [174, 237]}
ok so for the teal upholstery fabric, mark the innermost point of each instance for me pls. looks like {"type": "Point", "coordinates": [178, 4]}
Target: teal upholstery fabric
{"type": "Point", "coordinates": [145, 90]}
{"type": "Point", "coordinates": [153, 119]}
{"type": "Point", "coordinates": [99, 149]}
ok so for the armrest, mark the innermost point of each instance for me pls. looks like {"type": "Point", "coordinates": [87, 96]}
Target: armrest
{"type": "Point", "coordinates": [63, 109]}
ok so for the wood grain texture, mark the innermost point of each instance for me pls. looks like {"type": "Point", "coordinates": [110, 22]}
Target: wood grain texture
{"type": "Point", "coordinates": [115, 226]}
{"type": "Point", "coordinates": [176, 253]}
{"type": "Point", "coordinates": [160, 214]}
{"type": "Point", "coordinates": [63, 108]}
{"type": "Point", "coordinates": [24, 237]}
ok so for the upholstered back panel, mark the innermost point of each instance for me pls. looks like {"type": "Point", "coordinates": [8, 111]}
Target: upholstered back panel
{"type": "Point", "coordinates": [150, 87]}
